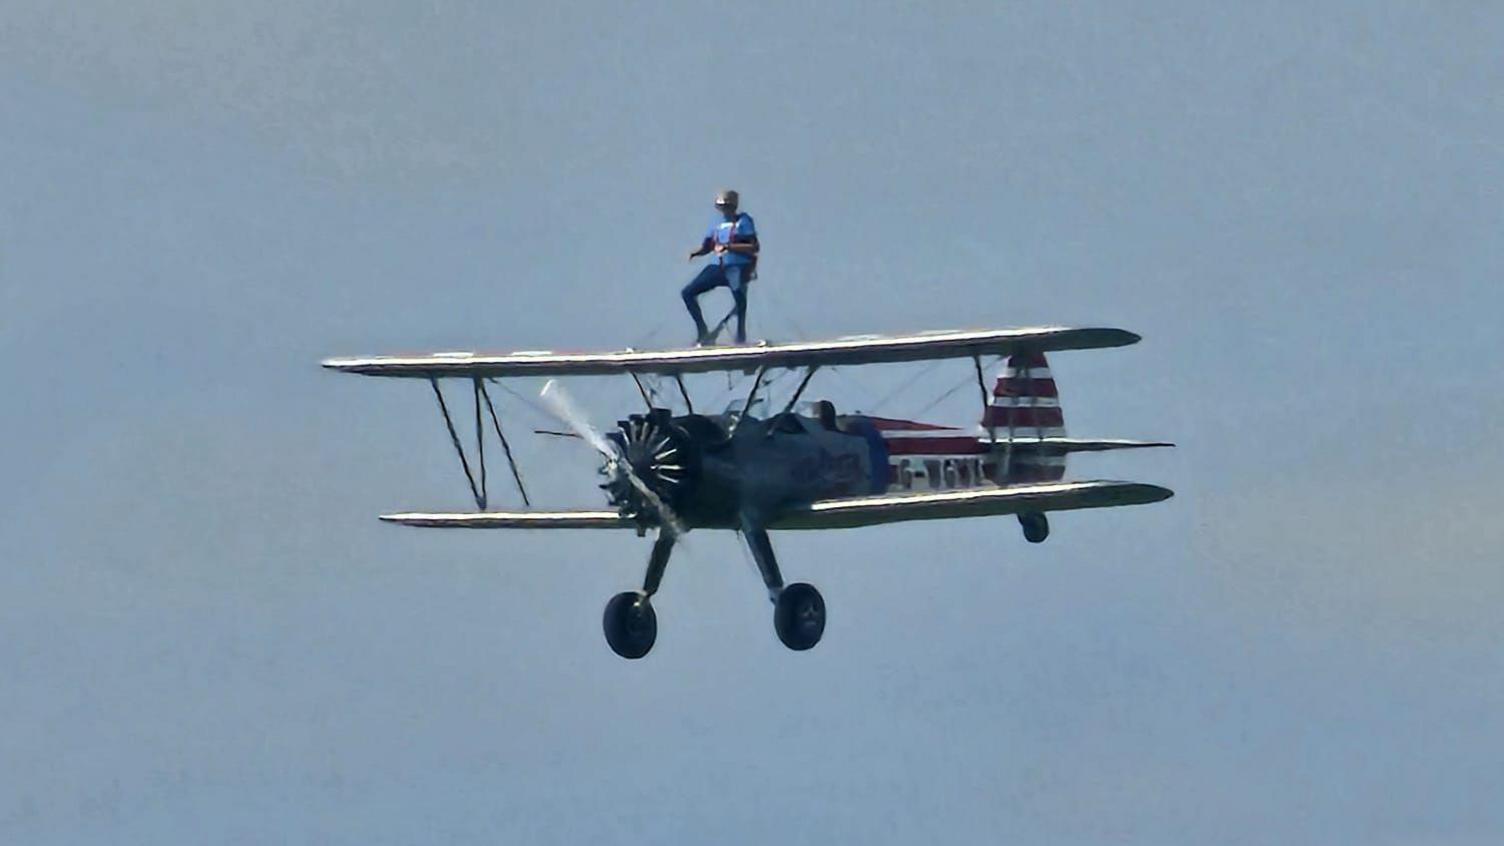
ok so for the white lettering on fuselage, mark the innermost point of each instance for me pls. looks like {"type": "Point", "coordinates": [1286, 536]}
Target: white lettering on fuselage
{"type": "Point", "coordinates": [936, 473]}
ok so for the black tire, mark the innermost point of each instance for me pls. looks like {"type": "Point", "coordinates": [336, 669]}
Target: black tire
{"type": "Point", "coordinates": [799, 616]}
{"type": "Point", "coordinates": [1036, 526]}
{"type": "Point", "coordinates": [631, 624]}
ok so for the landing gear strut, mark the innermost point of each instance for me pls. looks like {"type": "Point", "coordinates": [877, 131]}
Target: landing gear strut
{"type": "Point", "coordinates": [798, 609]}
{"type": "Point", "coordinates": [630, 622]}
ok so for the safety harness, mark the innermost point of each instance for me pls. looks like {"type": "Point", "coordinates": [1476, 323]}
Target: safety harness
{"type": "Point", "coordinates": [731, 239]}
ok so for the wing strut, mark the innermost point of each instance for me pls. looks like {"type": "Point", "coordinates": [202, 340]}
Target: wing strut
{"type": "Point", "coordinates": [454, 438]}
{"type": "Point", "coordinates": [992, 427]}
{"type": "Point", "coordinates": [506, 447]}
{"type": "Point", "coordinates": [982, 386]}
{"type": "Point", "coordinates": [751, 396]}
{"type": "Point", "coordinates": [478, 490]}
{"type": "Point", "coordinates": [480, 444]}
{"type": "Point", "coordinates": [684, 392]}
{"type": "Point", "coordinates": [799, 392]}
{"type": "Point", "coordinates": [641, 389]}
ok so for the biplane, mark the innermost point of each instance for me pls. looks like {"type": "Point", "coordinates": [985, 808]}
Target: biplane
{"type": "Point", "coordinates": [755, 470]}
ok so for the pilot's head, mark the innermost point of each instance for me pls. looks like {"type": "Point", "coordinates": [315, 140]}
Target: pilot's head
{"type": "Point", "coordinates": [825, 410]}
{"type": "Point", "coordinates": [726, 202]}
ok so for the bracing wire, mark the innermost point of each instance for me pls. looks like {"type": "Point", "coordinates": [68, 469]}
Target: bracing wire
{"type": "Point", "coordinates": [651, 334]}
{"type": "Point", "coordinates": [523, 398]}
{"type": "Point", "coordinates": [905, 385]}
{"type": "Point", "coordinates": [778, 310]}
{"type": "Point", "coordinates": [775, 307]}
{"type": "Point", "coordinates": [970, 378]}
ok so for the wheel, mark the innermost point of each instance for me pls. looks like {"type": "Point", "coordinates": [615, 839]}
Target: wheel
{"type": "Point", "coordinates": [631, 624]}
{"type": "Point", "coordinates": [1036, 526]}
{"type": "Point", "coordinates": [799, 616]}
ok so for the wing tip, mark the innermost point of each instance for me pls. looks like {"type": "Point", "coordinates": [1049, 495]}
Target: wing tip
{"type": "Point", "coordinates": [1121, 337]}
{"type": "Point", "coordinates": [1154, 493]}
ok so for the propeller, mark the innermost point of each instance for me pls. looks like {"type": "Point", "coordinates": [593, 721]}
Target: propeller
{"type": "Point", "coordinates": [564, 407]}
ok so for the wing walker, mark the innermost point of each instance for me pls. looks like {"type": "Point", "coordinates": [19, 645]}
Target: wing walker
{"type": "Point", "coordinates": [802, 467]}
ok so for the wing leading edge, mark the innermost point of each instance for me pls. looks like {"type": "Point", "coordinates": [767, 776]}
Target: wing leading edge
{"type": "Point", "coordinates": [867, 349]}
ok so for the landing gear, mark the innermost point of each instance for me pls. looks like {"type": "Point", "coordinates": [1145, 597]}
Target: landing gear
{"type": "Point", "coordinates": [798, 610]}
{"type": "Point", "coordinates": [1036, 526]}
{"type": "Point", "coordinates": [799, 616]}
{"type": "Point", "coordinates": [630, 622]}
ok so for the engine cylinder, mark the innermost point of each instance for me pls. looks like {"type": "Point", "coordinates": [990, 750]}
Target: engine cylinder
{"type": "Point", "coordinates": [664, 456]}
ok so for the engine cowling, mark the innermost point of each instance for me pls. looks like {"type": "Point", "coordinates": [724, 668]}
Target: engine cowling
{"type": "Point", "coordinates": [663, 455]}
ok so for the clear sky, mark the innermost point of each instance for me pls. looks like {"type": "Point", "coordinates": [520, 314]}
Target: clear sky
{"type": "Point", "coordinates": [206, 637]}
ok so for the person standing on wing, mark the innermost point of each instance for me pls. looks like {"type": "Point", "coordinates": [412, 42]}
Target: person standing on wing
{"type": "Point", "coordinates": [733, 239]}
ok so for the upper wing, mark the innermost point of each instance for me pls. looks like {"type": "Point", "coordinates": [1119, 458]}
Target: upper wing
{"type": "Point", "coordinates": [865, 349]}
{"type": "Point", "coordinates": [982, 502]}
{"type": "Point", "coordinates": [513, 520]}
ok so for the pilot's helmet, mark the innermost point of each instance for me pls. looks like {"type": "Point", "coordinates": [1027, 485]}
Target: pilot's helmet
{"type": "Point", "coordinates": [825, 411]}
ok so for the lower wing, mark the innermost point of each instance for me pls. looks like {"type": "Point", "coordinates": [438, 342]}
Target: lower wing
{"type": "Point", "coordinates": [981, 502]}
{"type": "Point", "coordinates": [838, 513]}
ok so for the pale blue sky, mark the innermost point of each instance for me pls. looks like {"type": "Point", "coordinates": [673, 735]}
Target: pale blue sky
{"type": "Point", "coordinates": [205, 636]}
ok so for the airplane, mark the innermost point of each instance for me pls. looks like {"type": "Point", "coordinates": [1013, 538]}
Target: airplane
{"type": "Point", "coordinates": [805, 467]}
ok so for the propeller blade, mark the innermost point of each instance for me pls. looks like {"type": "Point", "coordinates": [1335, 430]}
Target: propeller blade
{"type": "Point", "coordinates": [563, 406]}
{"type": "Point", "coordinates": [671, 520]}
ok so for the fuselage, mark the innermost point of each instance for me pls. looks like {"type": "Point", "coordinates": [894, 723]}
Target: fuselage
{"type": "Point", "coordinates": [726, 470]}
{"type": "Point", "coordinates": [760, 466]}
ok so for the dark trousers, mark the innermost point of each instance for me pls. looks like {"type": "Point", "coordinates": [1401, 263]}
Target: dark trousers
{"type": "Point", "coordinates": [733, 276]}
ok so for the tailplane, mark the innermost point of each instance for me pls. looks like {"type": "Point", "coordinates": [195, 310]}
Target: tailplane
{"type": "Point", "coordinates": [1026, 423]}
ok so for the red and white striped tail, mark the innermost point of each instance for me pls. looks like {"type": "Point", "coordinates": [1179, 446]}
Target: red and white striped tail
{"type": "Point", "coordinates": [1026, 405]}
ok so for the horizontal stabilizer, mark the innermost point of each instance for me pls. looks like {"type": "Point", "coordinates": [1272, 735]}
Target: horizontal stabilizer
{"type": "Point", "coordinates": [1062, 445]}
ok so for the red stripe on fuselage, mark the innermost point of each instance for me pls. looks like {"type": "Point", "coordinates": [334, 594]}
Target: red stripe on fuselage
{"type": "Point", "coordinates": [888, 424]}
{"type": "Point", "coordinates": [964, 445]}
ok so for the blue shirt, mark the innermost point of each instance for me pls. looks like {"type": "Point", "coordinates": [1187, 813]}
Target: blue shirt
{"type": "Point", "coordinates": [738, 231]}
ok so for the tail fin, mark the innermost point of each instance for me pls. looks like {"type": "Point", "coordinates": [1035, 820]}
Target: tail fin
{"type": "Point", "coordinates": [1025, 401]}
{"type": "Point", "coordinates": [1026, 406]}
